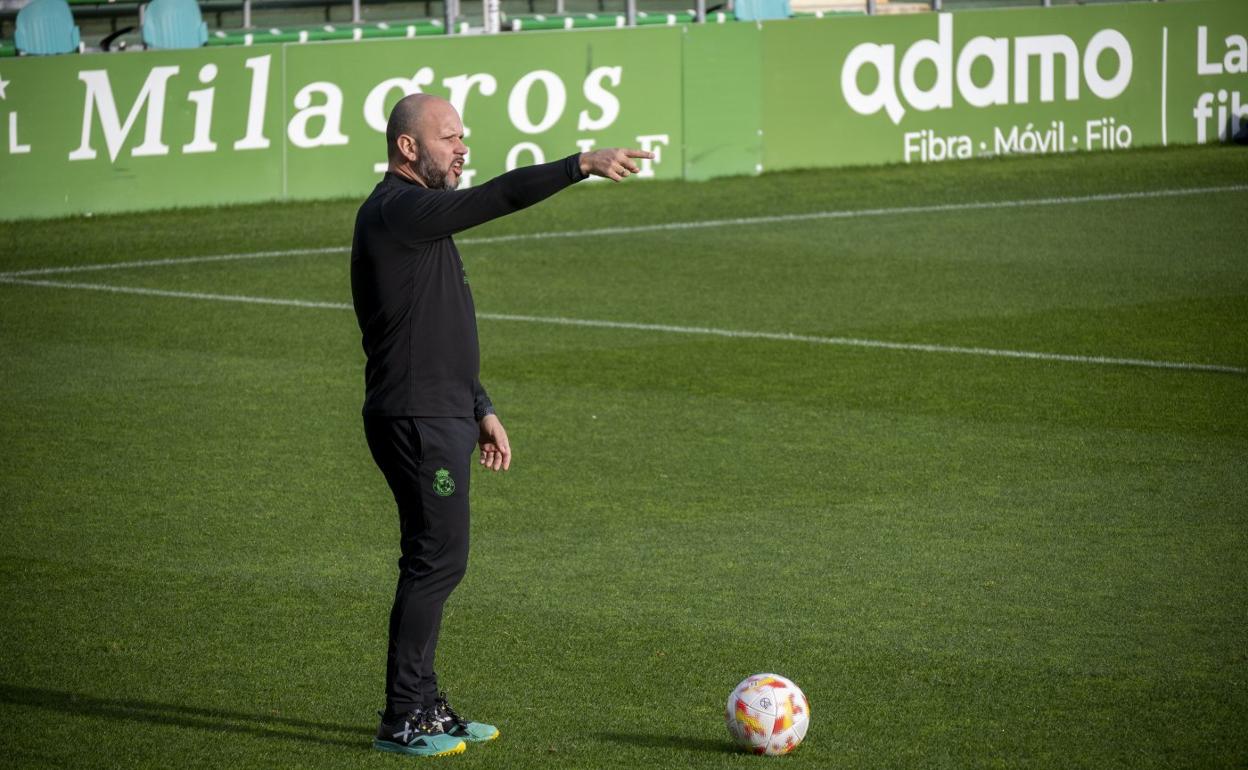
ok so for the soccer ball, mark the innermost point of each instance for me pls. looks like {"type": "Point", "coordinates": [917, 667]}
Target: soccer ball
{"type": "Point", "coordinates": [767, 714]}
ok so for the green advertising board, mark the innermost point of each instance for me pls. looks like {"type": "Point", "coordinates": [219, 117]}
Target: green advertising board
{"type": "Point", "coordinates": [124, 132]}
{"type": "Point", "coordinates": [935, 87]}
{"type": "Point", "coordinates": [142, 130]}
{"type": "Point", "coordinates": [117, 132]}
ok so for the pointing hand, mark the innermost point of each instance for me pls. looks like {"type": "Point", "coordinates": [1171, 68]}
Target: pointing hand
{"type": "Point", "coordinates": [614, 163]}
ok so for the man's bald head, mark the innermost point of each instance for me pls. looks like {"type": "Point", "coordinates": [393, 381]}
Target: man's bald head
{"type": "Point", "coordinates": [406, 118]}
{"type": "Point", "coordinates": [424, 141]}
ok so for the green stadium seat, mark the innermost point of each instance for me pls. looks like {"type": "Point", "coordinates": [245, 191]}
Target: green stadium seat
{"type": "Point", "coordinates": [46, 27]}
{"type": "Point", "coordinates": [758, 10]}
{"type": "Point", "coordinates": [174, 24]}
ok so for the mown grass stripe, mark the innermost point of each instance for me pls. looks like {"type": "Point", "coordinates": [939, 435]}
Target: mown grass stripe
{"type": "Point", "coordinates": [667, 226]}
{"type": "Point", "coordinates": [667, 329]}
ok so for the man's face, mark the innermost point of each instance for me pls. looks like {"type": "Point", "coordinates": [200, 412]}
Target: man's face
{"type": "Point", "coordinates": [440, 148]}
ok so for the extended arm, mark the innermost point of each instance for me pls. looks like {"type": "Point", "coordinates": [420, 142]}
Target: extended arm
{"type": "Point", "coordinates": [420, 214]}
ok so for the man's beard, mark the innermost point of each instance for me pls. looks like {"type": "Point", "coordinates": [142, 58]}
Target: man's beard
{"type": "Point", "coordinates": [435, 178]}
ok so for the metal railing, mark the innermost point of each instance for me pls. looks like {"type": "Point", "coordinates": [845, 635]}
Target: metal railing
{"type": "Point", "coordinates": [451, 20]}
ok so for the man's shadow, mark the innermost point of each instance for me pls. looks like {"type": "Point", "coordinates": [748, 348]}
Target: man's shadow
{"type": "Point", "coordinates": [260, 725]}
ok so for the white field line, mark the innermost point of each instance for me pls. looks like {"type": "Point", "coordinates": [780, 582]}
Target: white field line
{"type": "Point", "coordinates": [172, 261]}
{"type": "Point", "coordinates": [666, 329]}
{"type": "Point", "coordinates": [857, 213]}
{"type": "Point", "coordinates": [142, 291]}
{"type": "Point", "coordinates": [673, 226]}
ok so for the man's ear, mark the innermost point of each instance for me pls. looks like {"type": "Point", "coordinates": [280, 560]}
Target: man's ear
{"type": "Point", "coordinates": [407, 147]}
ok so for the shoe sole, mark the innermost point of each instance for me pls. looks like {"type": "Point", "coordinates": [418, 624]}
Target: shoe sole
{"type": "Point", "coordinates": [395, 748]}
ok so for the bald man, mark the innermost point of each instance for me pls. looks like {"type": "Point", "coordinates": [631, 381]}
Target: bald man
{"type": "Point", "coordinates": [424, 406]}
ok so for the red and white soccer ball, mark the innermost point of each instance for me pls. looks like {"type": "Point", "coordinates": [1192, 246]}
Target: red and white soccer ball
{"type": "Point", "coordinates": [767, 714]}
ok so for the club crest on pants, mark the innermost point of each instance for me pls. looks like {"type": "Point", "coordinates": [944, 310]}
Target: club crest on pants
{"type": "Point", "coordinates": [443, 484]}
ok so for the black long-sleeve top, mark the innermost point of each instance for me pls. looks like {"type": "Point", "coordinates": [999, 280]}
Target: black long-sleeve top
{"type": "Point", "coordinates": [411, 294]}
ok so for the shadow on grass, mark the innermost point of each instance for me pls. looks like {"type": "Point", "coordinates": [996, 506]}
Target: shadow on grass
{"type": "Point", "coordinates": [194, 717]}
{"type": "Point", "coordinates": [669, 742]}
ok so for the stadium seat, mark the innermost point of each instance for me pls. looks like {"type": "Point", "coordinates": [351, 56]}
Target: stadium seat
{"type": "Point", "coordinates": [759, 10]}
{"type": "Point", "coordinates": [174, 24]}
{"type": "Point", "coordinates": [46, 27]}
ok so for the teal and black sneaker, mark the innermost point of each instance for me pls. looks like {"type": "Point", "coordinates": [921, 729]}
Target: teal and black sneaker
{"type": "Point", "coordinates": [458, 727]}
{"type": "Point", "coordinates": [417, 733]}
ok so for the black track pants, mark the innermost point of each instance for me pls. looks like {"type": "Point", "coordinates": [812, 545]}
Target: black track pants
{"type": "Point", "coordinates": [426, 461]}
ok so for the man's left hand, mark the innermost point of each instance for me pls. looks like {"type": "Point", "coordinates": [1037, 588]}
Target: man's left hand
{"type": "Point", "coordinates": [614, 163]}
{"type": "Point", "coordinates": [495, 450]}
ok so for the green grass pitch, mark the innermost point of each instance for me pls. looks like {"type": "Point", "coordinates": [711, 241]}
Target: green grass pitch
{"type": "Point", "coordinates": [964, 560]}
